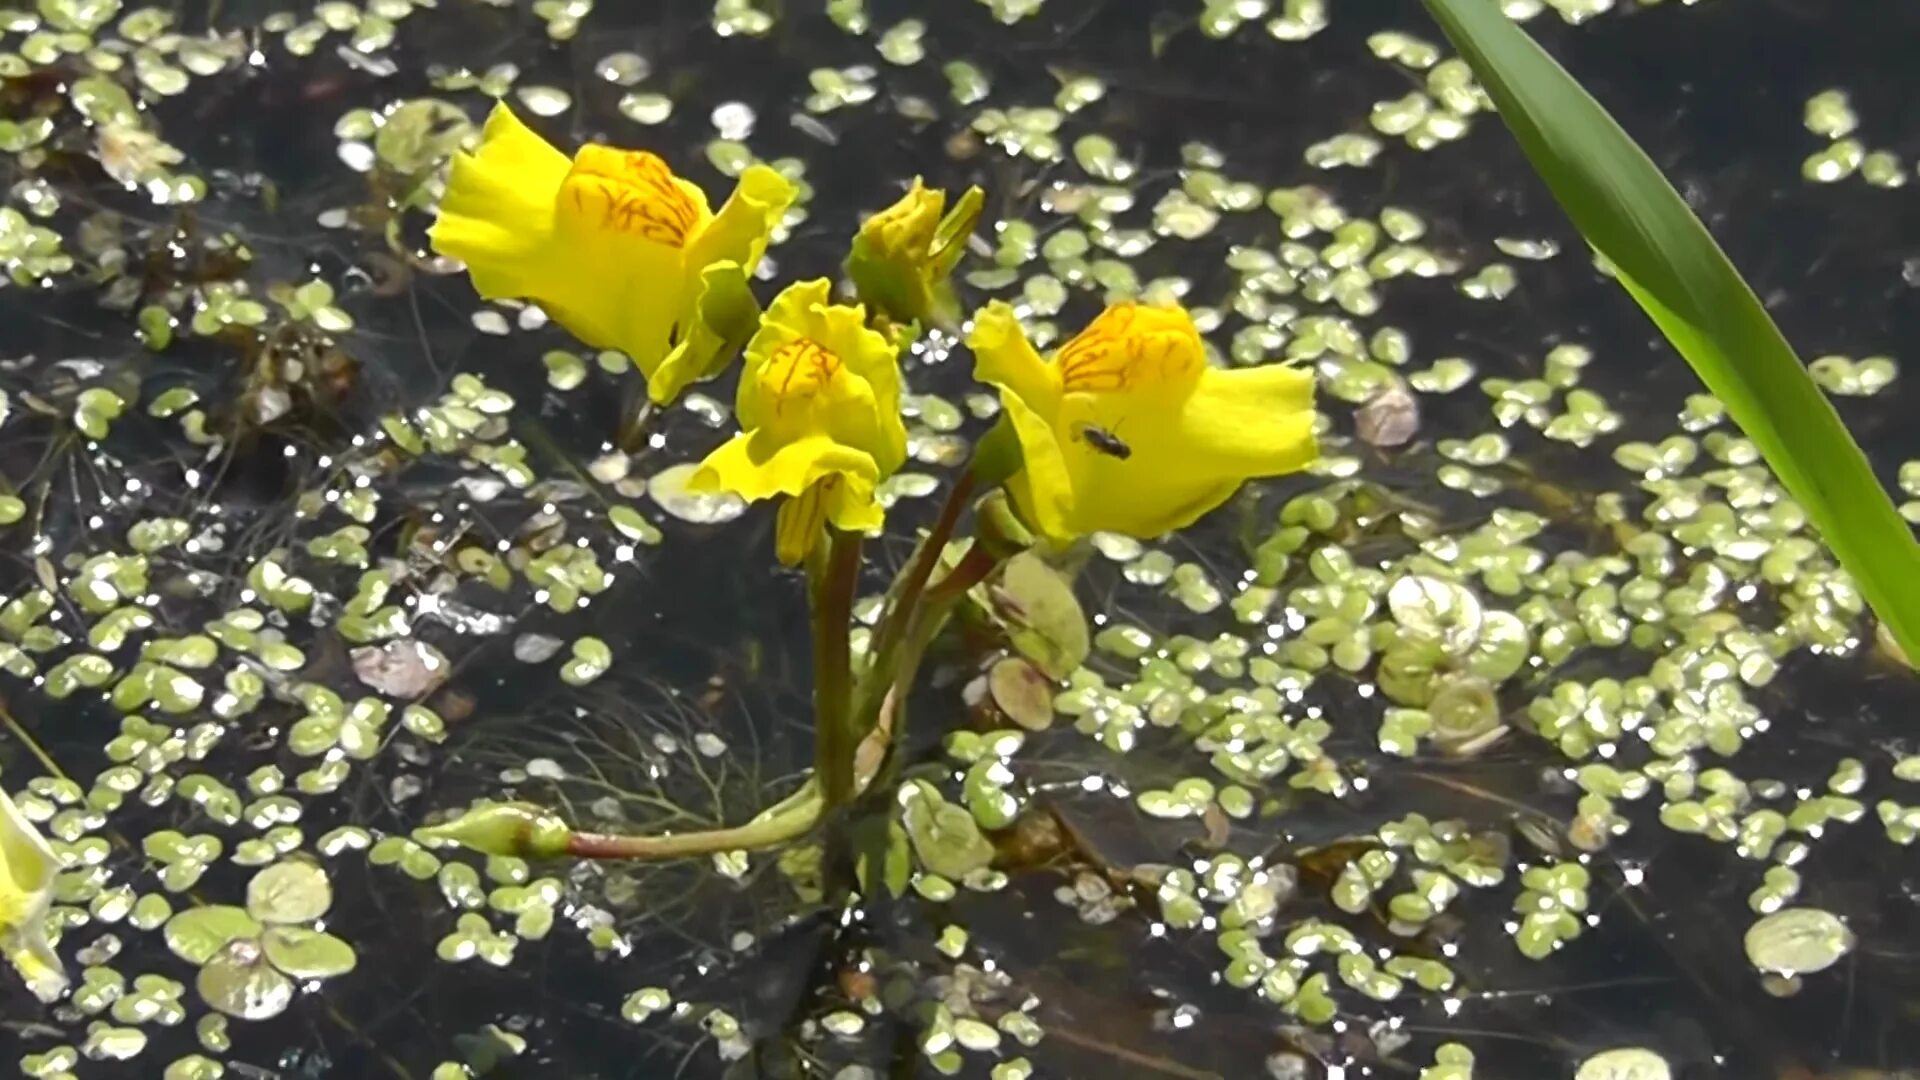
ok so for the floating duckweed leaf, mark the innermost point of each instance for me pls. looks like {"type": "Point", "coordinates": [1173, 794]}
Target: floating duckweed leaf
{"type": "Point", "coordinates": [901, 43]}
{"type": "Point", "coordinates": [12, 509]}
{"type": "Point", "coordinates": [1829, 113]}
{"type": "Point", "coordinates": [424, 722]}
{"type": "Point", "coordinates": [591, 659]}
{"type": "Point", "coordinates": [1846, 377]}
{"type": "Point", "coordinates": [194, 1067]}
{"type": "Point", "coordinates": [544, 100]}
{"type": "Point", "coordinates": [668, 489]}
{"type": "Point", "coordinates": [294, 891]}
{"type": "Point", "coordinates": [945, 837]}
{"type": "Point", "coordinates": [95, 409]}
{"type": "Point", "coordinates": [306, 954]}
{"type": "Point", "coordinates": [565, 370]}
{"type": "Point", "coordinates": [646, 108]}
{"type": "Point", "coordinates": [1035, 604]}
{"type": "Point", "coordinates": [196, 935]}
{"type": "Point", "coordinates": [238, 981]}
{"type": "Point", "coordinates": [1798, 941]}
{"type": "Point", "coordinates": [645, 1002]}
{"type": "Point", "coordinates": [1435, 611]}
{"type": "Point", "coordinates": [1626, 1063]}
{"type": "Point", "coordinates": [630, 524]}
{"type": "Point", "coordinates": [1836, 162]}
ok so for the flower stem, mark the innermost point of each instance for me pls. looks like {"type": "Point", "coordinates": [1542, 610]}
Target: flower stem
{"type": "Point", "coordinates": [904, 597]}
{"type": "Point", "coordinates": [971, 570]}
{"type": "Point", "coordinates": [635, 409]}
{"type": "Point", "coordinates": [790, 819]}
{"type": "Point", "coordinates": [835, 578]}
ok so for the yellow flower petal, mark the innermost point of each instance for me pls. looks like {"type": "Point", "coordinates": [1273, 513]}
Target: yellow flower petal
{"type": "Point", "coordinates": [27, 866]}
{"type": "Point", "coordinates": [725, 316]}
{"type": "Point", "coordinates": [1003, 357]}
{"type": "Point", "coordinates": [798, 525]}
{"type": "Point", "coordinates": [1129, 429]}
{"type": "Point", "coordinates": [756, 465]}
{"type": "Point", "coordinates": [498, 211]}
{"type": "Point", "coordinates": [611, 244]}
{"type": "Point", "coordinates": [1137, 351]}
{"type": "Point", "coordinates": [740, 231]}
{"type": "Point", "coordinates": [905, 229]}
{"type": "Point", "coordinates": [815, 366]}
{"type": "Point", "coordinates": [1043, 489]}
{"type": "Point", "coordinates": [1250, 421]}
{"type": "Point", "coordinates": [616, 274]}
{"type": "Point", "coordinates": [802, 520]}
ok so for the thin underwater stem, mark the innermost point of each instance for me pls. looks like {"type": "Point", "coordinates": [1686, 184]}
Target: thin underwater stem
{"type": "Point", "coordinates": [32, 744]}
{"type": "Point", "coordinates": [790, 819]}
{"type": "Point", "coordinates": [834, 577]}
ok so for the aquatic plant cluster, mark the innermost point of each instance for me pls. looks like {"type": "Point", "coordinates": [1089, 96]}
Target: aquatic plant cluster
{"type": "Point", "coordinates": [867, 622]}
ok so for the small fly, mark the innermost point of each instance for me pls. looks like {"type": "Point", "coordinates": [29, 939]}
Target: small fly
{"type": "Point", "coordinates": [1105, 442]}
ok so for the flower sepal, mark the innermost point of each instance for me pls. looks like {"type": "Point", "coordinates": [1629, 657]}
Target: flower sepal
{"type": "Point", "coordinates": [903, 256]}
{"type": "Point", "coordinates": [726, 314]}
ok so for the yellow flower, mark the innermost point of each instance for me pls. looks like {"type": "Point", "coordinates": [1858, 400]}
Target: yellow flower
{"type": "Point", "coordinates": [902, 256]}
{"type": "Point", "coordinates": [612, 244]}
{"type": "Point", "coordinates": [27, 866]}
{"type": "Point", "coordinates": [1127, 427]}
{"type": "Point", "coordinates": [819, 410]}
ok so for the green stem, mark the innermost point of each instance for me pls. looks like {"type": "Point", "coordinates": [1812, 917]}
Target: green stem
{"type": "Point", "coordinates": [904, 599]}
{"type": "Point", "coordinates": [835, 578]}
{"type": "Point", "coordinates": [791, 818]}
{"type": "Point", "coordinates": [635, 409]}
{"type": "Point", "coordinates": [971, 570]}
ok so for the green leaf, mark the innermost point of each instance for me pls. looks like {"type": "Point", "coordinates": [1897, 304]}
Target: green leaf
{"type": "Point", "coordinates": [1035, 604]}
{"type": "Point", "coordinates": [945, 836]}
{"type": "Point", "coordinates": [196, 934]}
{"type": "Point", "coordinates": [241, 984]}
{"type": "Point", "coordinates": [307, 954]}
{"type": "Point", "coordinates": [1672, 267]}
{"type": "Point", "coordinates": [1023, 692]}
{"type": "Point", "coordinates": [293, 891]}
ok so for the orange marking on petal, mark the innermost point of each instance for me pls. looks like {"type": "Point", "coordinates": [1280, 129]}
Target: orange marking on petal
{"type": "Point", "coordinates": [1123, 347]}
{"type": "Point", "coordinates": [799, 369]}
{"type": "Point", "coordinates": [636, 193]}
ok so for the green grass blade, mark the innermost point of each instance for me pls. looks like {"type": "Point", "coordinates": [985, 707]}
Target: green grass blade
{"type": "Point", "coordinates": [1672, 267]}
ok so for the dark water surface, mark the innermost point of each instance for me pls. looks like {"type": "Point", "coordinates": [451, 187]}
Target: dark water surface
{"type": "Point", "coordinates": [709, 633]}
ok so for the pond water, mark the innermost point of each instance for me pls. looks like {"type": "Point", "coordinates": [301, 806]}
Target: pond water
{"type": "Point", "coordinates": [305, 547]}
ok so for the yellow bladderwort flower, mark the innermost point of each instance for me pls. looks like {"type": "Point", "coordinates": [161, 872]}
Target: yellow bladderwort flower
{"type": "Point", "coordinates": [27, 866]}
{"type": "Point", "coordinates": [819, 411]}
{"type": "Point", "coordinates": [1127, 428]}
{"type": "Point", "coordinates": [902, 256]}
{"type": "Point", "coordinates": [613, 245]}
